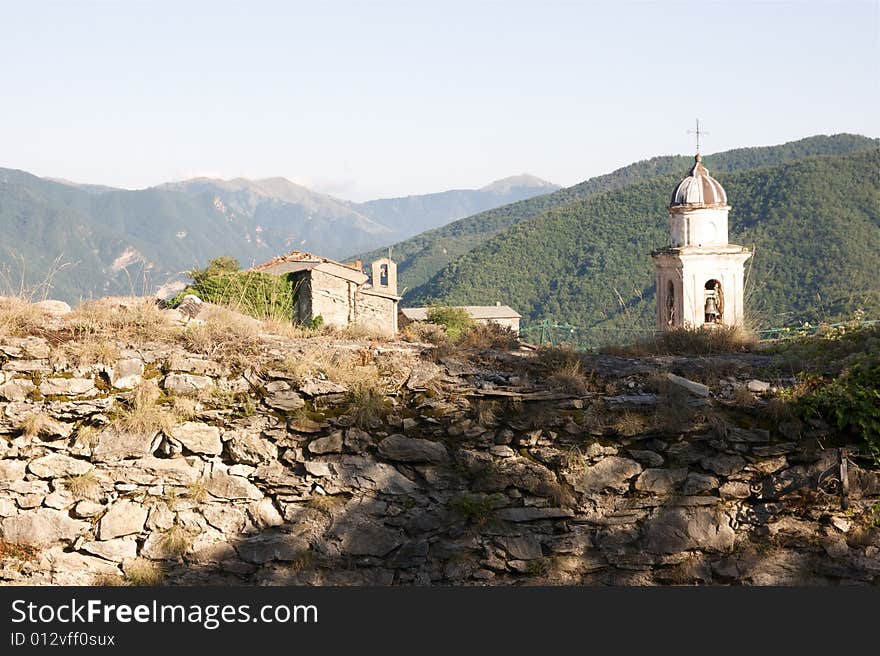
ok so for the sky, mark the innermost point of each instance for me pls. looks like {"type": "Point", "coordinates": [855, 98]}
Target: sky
{"type": "Point", "coordinates": [378, 99]}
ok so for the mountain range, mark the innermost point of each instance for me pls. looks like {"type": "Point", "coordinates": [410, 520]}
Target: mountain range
{"type": "Point", "coordinates": [73, 241]}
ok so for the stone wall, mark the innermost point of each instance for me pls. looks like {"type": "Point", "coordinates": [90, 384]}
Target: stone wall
{"type": "Point", "coordinates": [272, 481]}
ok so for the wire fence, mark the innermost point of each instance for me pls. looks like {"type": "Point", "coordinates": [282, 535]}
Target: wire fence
{"type": "Point", "coordinates": [592, 338]}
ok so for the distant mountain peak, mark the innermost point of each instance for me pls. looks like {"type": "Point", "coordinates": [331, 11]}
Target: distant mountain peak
{"type": "Point", "coordinates": [504, 185]}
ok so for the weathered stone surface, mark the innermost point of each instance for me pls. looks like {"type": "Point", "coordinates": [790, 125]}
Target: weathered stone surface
{"type": "Point", "coordinates": [198, 437]}
{"type": "Point", "coordinates": [523, 547]}
{"type": "Point", "coordinates": [661, 481]}
{"type": "Point", "coordinates": [87, 508]}
{"type": "Point", "coordinates": [758, 386]}
{"type": "Point", "coordinates": [407, 449]}
{"type": "Point", "coordinates": [270, 547]}
{"type": "Point", "coordinates": [647, 458]}
{"type": "Point", "coordinates": [51, 429]}
{"type": "Point", "coordinates": [27, 366]}
{"type": "Point", "coordinates": [53, 308]}
{"type": "Point", "coordinates": [423, 374]}
{"type": "Point", "coordinates": [319, 387]}
{"type": "Point", "coordinates": [127, 373]}
{"type": "Point", "coordinates": [532, 514]}
{"type": "Point", "coordinates": [670, 530]}
{"type": "Point", "coordinates": [363, 537]}
{"type": "Point", "coordinates": [227, 519]}
{"type": "Point", "coordinates": [249, 448]}
{"type": "Point", "coordinates": [185, 384]}
{"type": "Point", "coordinates": [41, 527]}
{"type": "Point", "coordinates": [115, 445]}
{"type": "Point", "coordinates": [357, 440]}
{"type": "Point", "coordinates": [74, 568]}
{"type": "Point", "coordinates": [734, 490]}
{"type": "Point", "coordinates": [492, 475]}
{"type": "Point", "coordinates": [12, 470]}
{"type": "Point", "coordinates": [116, 550]}
{"type": "Point", "coordinates": [319, 469]}
{"type": "Point", "coordinates": [58, 465]}
{"type": "Point", "coordinates": [695, 388]}
{"type": "Point", "coordinates": [122, 518]}
{"type": "Point", "coordinates": [330, 444]}
{"type": "Point", "coordinates": [199, 366]}
{"type": "Point", "coordinates": [722, 464]}
{"type": "Point", "coordinates": [67, 387]}
{"type": "Point", "coordinates": [285, 401]}
{"type": "Point", "coordinates": [264, 513]}
{"type": "Point", "coordinates": [16, 389]}
{"type": "Point", "coordinates": [611, 473]}
{"type": "Point", "coordinates": [697, 483]}
{"type": "Point", "coordinates": [224, 486]}
{"type": "Point", "coordinates": [157, 471]}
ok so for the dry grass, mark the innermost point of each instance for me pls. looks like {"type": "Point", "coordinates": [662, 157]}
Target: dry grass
{"type": "Point", "coordinates": [570, 379]}
{"type": "Point", "coordinates": [91, 350]}
{"type": "Point", "coordinates": [673, 414]}
{"type": "Point", "coordinates": [35, 424]}
{"type": "Point", "coordinates": [574, 460]}
{"type": "Point", "coordinates": [83, 486]}
{"type": "Point", "coordinates": [176, 542]}
{"type": "Point", "coordinates": [289, 329]}
{"type": "Point", "coordinates": [359, 331]}
{"type": "Point", "coordinates": [564, 370]}
{"type": "Point", "coordinates": [366, 404]}
{"type": "Point", "coordinates": [629, 423]}
{"type": "Point", "coordinates": [143, 414]}
{"type": "Point", "coordinates": [22, 553]}
{"type": "Point", "coordinates": [20, 318]}
{"type": "Point", "coordinates": [326, 504]}
{"type": "Point", "coordinates": [743, 397]}
{"type": "Point", "coordinates": [424, 332]}
{"type": "Point", "coordinates": [86, 436]}
{"type": "Point", "coordinates": [702, 341]}
{"type": "Point", "coordinates": [484, 412]}
{"type": "Point", "coordinates": [123, 318]}
{"type": "Point", "coordinates": [184, 408]}
{"type": "Point", "coordinates": [197, 490]}
{"type": "Point", "coordinates": [485, 336]}
{"type": "Point", "coordinates": [142, 572]}
{"type": "Point", "coordinates": [108, 580]}
{"type": "Point", "coordinates": [226, 336]}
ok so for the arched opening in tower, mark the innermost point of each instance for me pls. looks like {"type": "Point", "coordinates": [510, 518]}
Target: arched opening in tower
{"type": "Point", "coordinates": [714, 303]}
{"type": "Point", "coordinates": [670, 303]}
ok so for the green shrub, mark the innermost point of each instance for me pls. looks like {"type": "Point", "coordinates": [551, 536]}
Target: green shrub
{"type": "Point", "coordinates": [455, 320]}
{"type": "Point", "coordinates": [851, 400]}
{"type": "Point", "coordinates": [260, 295]}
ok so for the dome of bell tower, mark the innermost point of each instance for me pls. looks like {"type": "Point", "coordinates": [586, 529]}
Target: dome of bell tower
{"type": "Point", "coordinates": [698, 189]}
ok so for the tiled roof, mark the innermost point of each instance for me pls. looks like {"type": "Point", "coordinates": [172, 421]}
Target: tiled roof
{"type": "Point", "coordinates": [299, 256]}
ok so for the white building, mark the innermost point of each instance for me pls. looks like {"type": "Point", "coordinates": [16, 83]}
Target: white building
{"type": "Point", "coordinates": [699, 276]}
{"type": "Point", "coordinates": [503, 315]}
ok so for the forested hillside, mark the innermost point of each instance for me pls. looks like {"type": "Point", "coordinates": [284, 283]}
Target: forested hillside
{"type": "Point", "coordinates": [814, 226]}
{"type": "Point", "coordinates": [422, 256]}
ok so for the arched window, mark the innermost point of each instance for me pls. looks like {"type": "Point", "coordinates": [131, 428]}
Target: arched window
{"type": "Point", "coordinates": [670, 303]}
{"type": "Point", "coordinates": [714, 305]}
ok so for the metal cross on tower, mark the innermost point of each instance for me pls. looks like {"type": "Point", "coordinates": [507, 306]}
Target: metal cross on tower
{"type": "Point", "coordinates": [699, 132]}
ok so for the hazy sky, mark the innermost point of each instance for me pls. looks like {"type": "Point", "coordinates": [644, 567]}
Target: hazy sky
{"type": "Point", "coordinates": [370, 99]}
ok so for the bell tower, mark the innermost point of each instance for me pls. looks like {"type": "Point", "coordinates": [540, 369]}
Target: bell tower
{"type": "Point", "coordinates": [699, 276]}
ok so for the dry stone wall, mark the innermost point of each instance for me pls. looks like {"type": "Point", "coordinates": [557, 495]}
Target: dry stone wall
{"type": "Point", "coordinates": [271, 481]}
